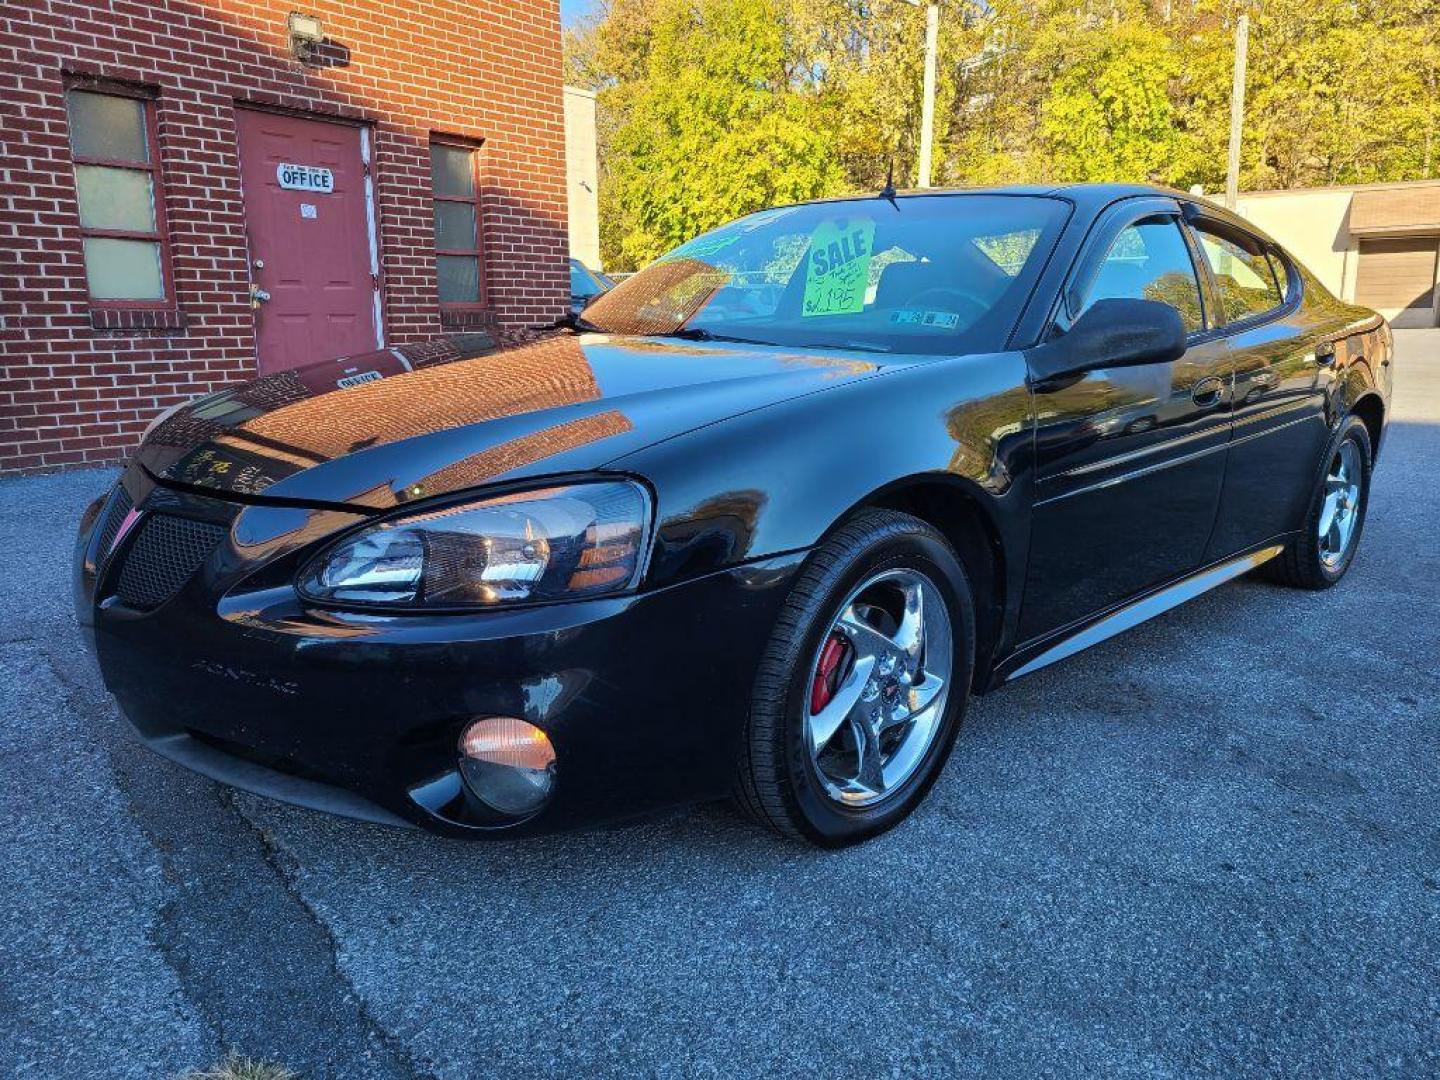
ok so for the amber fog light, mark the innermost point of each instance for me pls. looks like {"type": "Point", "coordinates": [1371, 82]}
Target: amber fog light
{"type": "Point", "coordinates": [507, 764]}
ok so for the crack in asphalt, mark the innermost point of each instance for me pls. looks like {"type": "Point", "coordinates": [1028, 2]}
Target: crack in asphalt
{"type": "Point", "coordinates": [83, 700]}
{"type": "Point", "coordinates": [275, 858]}
{"type": "Point", "coordinates": [193, 895]}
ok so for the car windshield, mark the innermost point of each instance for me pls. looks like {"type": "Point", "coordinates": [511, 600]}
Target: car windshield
{"type": "Point", "coordinates": [926, 274]}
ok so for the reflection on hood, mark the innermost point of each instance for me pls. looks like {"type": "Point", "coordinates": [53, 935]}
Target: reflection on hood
{"type": "Point", "coordinates": [414, 421]}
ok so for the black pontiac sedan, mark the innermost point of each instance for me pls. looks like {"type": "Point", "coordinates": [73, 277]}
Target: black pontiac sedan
{"type": "Point", "coordinates": [757, 525]}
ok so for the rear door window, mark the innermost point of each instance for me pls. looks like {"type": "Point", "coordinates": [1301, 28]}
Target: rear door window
{"type": "Point", "coordinates": [1243, 274]}
{"type": "Point", "coordinates": [1282, 276]}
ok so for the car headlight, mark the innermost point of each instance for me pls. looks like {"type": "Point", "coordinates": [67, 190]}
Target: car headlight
{"type": "Point", "coordinates": [554, 543]}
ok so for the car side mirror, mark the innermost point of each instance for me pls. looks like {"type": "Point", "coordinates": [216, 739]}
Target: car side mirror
{"type": "Point", "coordinates": [1112, 333]}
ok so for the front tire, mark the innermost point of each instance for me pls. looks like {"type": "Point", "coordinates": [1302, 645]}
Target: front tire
{"type": "Point", "coordinates": [1319, 557]}
{"type": "Point", "coordinates": [863, 685]}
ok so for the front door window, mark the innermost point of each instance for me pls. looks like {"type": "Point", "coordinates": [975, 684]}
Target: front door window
{"type": "Point", "coordinates": [1150, 261]}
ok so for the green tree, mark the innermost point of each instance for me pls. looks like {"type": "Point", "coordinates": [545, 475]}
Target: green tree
{"type": "Point", "coordinates": [1341, 92]}
{"type": "Point", "coordinates": [712, 108]}
{"type": "Point", "coordinates": [1108, 113]}
{"type": "Point", "coordinates": [707, 123]}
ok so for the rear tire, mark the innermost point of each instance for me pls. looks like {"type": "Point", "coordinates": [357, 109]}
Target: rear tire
{"type": "Point", "coordinates": [782, 779]}
{"type": "Point", "coordinates": [1319, 557]}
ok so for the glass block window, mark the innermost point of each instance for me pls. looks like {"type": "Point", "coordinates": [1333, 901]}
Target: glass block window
{"type": "Point", "coordinates": [117, 184]}
{"type": "Point", "coordinates": [453, 171]}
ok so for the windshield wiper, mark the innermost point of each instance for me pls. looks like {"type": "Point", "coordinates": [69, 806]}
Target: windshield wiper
{"type": "Point", "coordinates": [699, 333]}
{"type": "Point", "coordinates": [860, 346]}
{"type": "Point", "coordinates": [571, 321]}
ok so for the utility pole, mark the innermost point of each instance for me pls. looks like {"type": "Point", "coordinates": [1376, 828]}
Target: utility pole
{"type": "Point", "coordinates": [927, 109]}
{"type": "Point", "coordinates": [927, 105]}
{"type": "Point", "coordinates": [1237, 111]}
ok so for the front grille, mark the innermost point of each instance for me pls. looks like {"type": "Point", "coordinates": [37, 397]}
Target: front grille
{"type": "Point", "coordinates": [120, 505]}
{"type": "Point", "coordinates": [164, 554]}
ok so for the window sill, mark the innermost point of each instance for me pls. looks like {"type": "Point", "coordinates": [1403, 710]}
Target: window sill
{"type": "Point", "coordinates": [467, 319]}
{"type": "Point", "coordinates": [162, 320]}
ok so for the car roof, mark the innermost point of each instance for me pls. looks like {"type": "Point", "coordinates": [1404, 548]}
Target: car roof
{"type": "Point", "coordinates": [1088, 196]}
{"type": "Point", "coordinates": [1089, 199]}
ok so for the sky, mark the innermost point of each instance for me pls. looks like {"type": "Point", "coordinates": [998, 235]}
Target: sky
{"type": "Point", "coordinates": [571, 10]}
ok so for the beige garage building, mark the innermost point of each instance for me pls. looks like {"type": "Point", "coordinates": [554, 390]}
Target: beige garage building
{"type": "Point", "coordinates": [1375, 244]}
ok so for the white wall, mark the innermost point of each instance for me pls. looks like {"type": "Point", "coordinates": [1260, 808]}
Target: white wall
{"type": "Point", "coordinates": [1314, 227]}
{"type": "Point", "coordinates": [583, 176]}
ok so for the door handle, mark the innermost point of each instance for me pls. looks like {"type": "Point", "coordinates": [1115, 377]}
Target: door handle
{"type": "Point", "coordinates": [258, 296]}
{"type": "Point", "coordinates": [1208, 391]}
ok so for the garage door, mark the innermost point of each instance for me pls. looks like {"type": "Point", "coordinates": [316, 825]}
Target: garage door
{"type": "Point", "coordinates": [1397, 279]}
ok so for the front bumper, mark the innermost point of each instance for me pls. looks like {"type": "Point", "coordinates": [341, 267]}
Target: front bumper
{"type": "Point", "coordinates": [234, 676]}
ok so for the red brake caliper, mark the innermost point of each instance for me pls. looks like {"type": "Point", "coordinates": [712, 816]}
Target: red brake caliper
{"type": "Point", "coordinates": [827, 672]}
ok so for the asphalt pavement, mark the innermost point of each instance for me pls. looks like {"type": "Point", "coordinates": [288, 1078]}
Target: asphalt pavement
{"type": "Point", "coordinates": [1210, 847]}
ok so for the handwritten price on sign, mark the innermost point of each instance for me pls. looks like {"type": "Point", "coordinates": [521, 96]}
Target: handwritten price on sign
{"type": "Point", "coordinates": [834, 299]}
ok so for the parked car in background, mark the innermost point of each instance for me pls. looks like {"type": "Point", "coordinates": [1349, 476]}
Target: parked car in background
{"type": "Point", "coordinates": [585, 285]}
{"type": "Point", "coordinates": [760, 526]}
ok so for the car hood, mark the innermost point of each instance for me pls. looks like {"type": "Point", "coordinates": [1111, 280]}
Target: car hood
{"type": "Point", "coordinates": [389, 427]}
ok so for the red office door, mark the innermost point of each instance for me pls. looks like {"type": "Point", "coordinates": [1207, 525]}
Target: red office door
{"type": "Point", "coordinates": [309, 225]}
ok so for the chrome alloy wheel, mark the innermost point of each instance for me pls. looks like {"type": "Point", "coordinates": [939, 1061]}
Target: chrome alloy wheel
{"type": "Point", "coordinates": [878, 687]}
{"type": "Point", "coordinates": [1340, 512]}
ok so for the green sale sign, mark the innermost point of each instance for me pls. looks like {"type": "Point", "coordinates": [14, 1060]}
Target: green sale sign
{"type": "Point", "coordinates": [837, 272]}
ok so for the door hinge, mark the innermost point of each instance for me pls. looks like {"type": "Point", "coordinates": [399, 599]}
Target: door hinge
{"type": "Point", "coordinates": [375, 282]}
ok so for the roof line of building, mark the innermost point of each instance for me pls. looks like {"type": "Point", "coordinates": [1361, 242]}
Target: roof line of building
{"type": "Point", "coordinates": [1392, 184]}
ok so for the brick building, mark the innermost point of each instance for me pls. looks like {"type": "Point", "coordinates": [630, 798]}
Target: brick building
{"type": "Point", "coordinates": [191, 192]}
